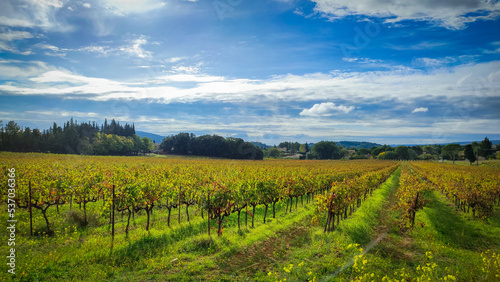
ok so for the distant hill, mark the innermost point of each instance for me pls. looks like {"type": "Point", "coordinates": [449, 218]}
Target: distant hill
{"type": "Point", "coordinates": [154, 137]}
{"type": "Point", "coordinates": [357, 144]}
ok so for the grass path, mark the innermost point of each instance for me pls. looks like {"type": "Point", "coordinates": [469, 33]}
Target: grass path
{"type": "Point", "coordinates": [444, 239]}
{"type": "Point", "coordinates": [329, 256]}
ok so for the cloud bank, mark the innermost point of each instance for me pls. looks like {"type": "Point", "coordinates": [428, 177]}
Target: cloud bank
{"type": "Point", "coordinates": [451, 14]}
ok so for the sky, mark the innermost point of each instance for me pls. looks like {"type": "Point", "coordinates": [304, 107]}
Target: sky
{"type": "Point", "coordinates": [384, 71]}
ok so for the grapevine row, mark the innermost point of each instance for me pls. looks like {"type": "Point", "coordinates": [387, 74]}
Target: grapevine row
{"type": "Point", "coordinates": [217, 188]}
{"type": "Point", "coordinates": [346, 195]}
{"type": "Point", "coordinates": [472, 189]}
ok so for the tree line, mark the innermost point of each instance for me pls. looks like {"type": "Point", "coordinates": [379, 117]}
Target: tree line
{"type": "Point", "coordinates": [333, 150]}
{"type": "Point", "coordinates": [210, 146]}
{"type": "Point", "coordinates": [87, 138]}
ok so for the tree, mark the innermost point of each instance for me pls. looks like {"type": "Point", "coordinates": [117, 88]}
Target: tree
{"type": "Point", "coordinates": [71, 138]}
{"type": "Point", "coordinates": [37, 139]}
{"type": "Point", "coordinates": [177, 144]}
{"type": "Point", "coordinates": [303, 148]}
{"type": "Point", "coordinates": [326, 150]}
{"type": "Point", "coordinates": [363, 151]}
{"type": "Point", "coordinates": [381, 156]}
{"type": "Point", "coordinates": [469, 153]}
{"type": "Point", "coordinates": [417, 149]}
{"type": "Point", "coordinates": [403, 152]}
{"type": "Point", "coordinates": [274, 153]}
{"type": "Point", "coordinates": [477, 148]}
{"type": "Point", "coordinates": [147, 145]}
{"type": "Point", "coordinates": [384, 148]}
{"type": "Point", "coordinates": [486, 147]}
{"type": "Point", "coordinates": [391, 155]}
{"type": "Point", "coordinates": [428, 149]}
{"type": "Point", "coordinates": [12, 132]}
{"type": "Point", "coordinates": [452, 150]}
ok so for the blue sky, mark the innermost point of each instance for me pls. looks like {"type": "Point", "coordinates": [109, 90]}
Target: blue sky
{"type": "Point", "coordinates": [277, 70]}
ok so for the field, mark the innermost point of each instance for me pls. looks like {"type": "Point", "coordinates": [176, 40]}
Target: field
{"type": "Point", "coordinates": [272, 220]}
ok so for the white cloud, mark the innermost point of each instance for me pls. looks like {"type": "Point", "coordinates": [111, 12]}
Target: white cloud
{"type": "Point", "coordinates": [403, 85]}
{"type": "Point", "coordinates": [62, 113]}
{"type": "Point", "coordinates": [450, 14]}
{"type": "Point", "coordinates": [47, 47]}
{"type": "Point", "coordinates": [424, 45]}
{"type": "Point", "coordinates": [436, 62]}
{"type": "Point", "coordinates": [13, 22]}
{"type": "Point", "coordinates": [4, 46]}
{"type": "Point", "coordinates": [299, 12]}
{"type": "Point", "coordinates": [431, 62]}
{"type": "Point", "coordinates": [420, 110]}
{"type": "Point", "coordinates": [7, 37]}
{"type": "Point", "coordinates": [20, 69]}
{"type": "Point", "coordinates": [326, 109]}
{"type": "Point", "coordinates": [11, 35]}
{"type": "Point", "coordinates": [350, 60]}
{"type": "Point", "coordinates": [133, 48]}
{"type": "Point", "coordinates": [190, 78]}
{"type": "Point", "coordinates": [100, 50]}
{"type": "Point", "coordinates": [185, 69]}
{"type": "Point", "coordinates": [496, 51]}
{"type": "Point", "coordinates": [34, 13]}
{"type": "Point", "coordinates": [175, 59]}
{"type": "Point", "coordinates": [86, 5]}
{"type": "Point", "coordinates": [362, 60]}
{"type": "Point", "coordinates": [123, 7]}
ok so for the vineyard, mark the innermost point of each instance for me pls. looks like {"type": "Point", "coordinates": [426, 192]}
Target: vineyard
{"type": "Point", "coordinates": [144, 218]}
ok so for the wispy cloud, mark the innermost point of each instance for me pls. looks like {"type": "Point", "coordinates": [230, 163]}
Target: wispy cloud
{"type": "Point", "coordinates": [326, 109]}
{"type": "Point", "coordinates": [22, 69]}
{"type": "Point", "coordinates": [34, 13]}
{"type": "Point", "coordinates": [132, 48]}
{"type": "Point", "coordinates": [425, 45]}
{"type": "Point", "coordinates": [361, 60]}
{"type": "Point", "coordinates": [124, 7]}
{"type": "Point", "coordinates": [14, 22]}
{"type": "Point", "coordinates": [436, 62]}
{"type": "Point", "coordinates": [420, 110]}
{"type": "Point", "coordinates": [64, 113]}
{"type": "Point", "coordinates": [135, 48]}
{"type": "Point", "coordinates": [7, 38]}
{"type": "Point", "coordinates": [11, 35]}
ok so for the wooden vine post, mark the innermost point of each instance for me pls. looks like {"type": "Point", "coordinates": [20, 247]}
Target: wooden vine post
{"type": "Point", "coordinates": [29, 207]}
{"type": "Point", "coordinates": [180, 190]}
{"type": "Point", "coordinates": [113, 214]}
{"type": "Point", "coordinates": [208, 210]}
